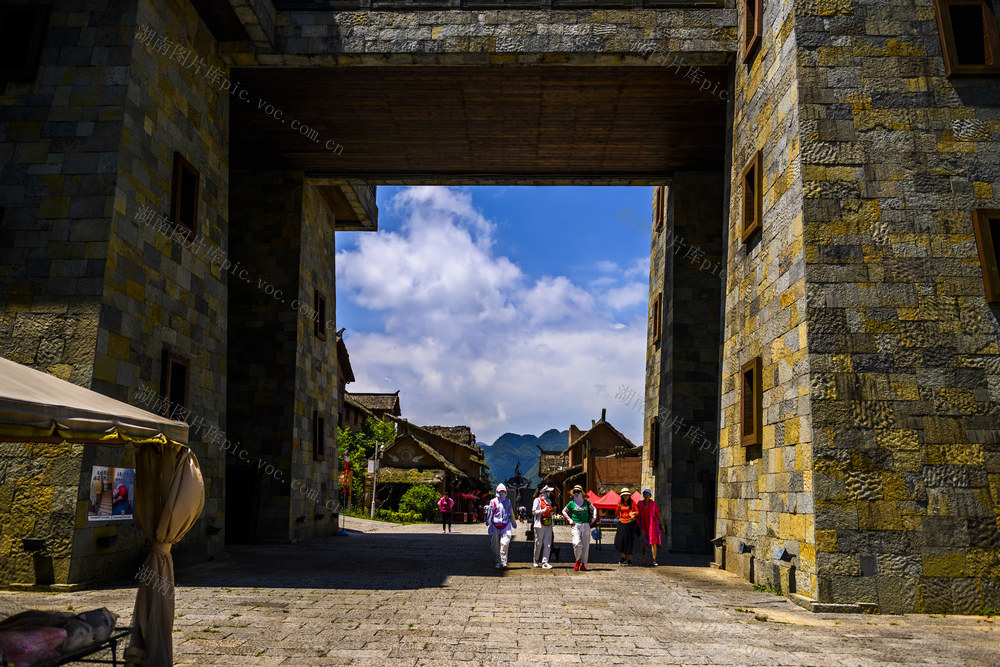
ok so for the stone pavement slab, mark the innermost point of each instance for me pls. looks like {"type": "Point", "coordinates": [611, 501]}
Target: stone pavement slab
{"type": "Point", "coordinates": [408, 595]}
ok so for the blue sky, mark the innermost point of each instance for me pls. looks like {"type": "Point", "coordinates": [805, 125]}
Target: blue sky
{"type": "Point", "coordinates": [513, 309]}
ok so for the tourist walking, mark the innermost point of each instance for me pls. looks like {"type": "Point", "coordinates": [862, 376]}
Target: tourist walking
{"type": "Point", "coordinates": [626, 513]}
{"type": "Point", "coordinates": [541, 510]}
{"type": "Point", "coordinates": [650, 523]}
{"type": "Point", "coordinates": [446, 505]}
{"type": "Point", "coordinates": [580, 513]}
{"type": "Point", "coordinates": [500, 520]}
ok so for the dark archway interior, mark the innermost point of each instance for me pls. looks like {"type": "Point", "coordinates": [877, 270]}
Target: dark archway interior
{"type": "Point", "coordinates": [451, 122]}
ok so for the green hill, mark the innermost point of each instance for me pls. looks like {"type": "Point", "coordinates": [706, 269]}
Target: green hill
{"type": "Point", "coordinates": [503, 455]}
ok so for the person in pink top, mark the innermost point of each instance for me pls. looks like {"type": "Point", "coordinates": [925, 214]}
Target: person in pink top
{"type": "Point", "coordinates": [446, 505]}
{"type": "Point", "coordinates": [650, 523]}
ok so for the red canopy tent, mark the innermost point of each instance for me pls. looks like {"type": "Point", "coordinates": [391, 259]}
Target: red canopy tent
{"type": "Point", "coordinates": [607, 502]}
{"type": "Point", "coordinates": [592, 497]}
{"type": "Point", "coordinates": [610, 500]}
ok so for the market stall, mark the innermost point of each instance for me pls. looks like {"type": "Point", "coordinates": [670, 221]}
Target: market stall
{"type": "Point", "coordinates": [169, 492]}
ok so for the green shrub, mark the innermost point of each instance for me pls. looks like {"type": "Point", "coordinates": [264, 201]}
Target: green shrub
{"type": "Point", "coordinates": [420, 499]}
{"type": "Point", "coordinates": [397, 517]}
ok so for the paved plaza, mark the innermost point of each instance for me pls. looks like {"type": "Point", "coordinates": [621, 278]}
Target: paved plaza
{"type": "Point", "coordinates": [408, 595]}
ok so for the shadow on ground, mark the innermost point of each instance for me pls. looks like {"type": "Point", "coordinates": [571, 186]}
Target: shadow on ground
{"type": "Point", "coordinates": [399, 560]}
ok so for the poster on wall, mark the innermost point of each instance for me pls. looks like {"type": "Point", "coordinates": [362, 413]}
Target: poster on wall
{"type": "Point", "coordinates": [112, 494]}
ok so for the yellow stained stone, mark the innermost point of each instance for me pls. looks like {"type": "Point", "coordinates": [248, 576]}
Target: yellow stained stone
{"type": "Point", "coordinates": [948, 565]}
{"type": "Point", "coordinates": [118, 346]}
{"type": "Point", "coordinates": [982, 562]}
{"type": "Point", "coordinates": [104, 368]}
{"type": "Point", "coordinates": [797, 526]}
{"type": "Point", "coordinates": [135, 291]}
{"type": "Point", "coordinates": [54, 207]}
{"type": "Point", "coordinates": [792, 431]}
{"type": "Point", "coordinates": [768, 436]}
{"type": "Point", "coordinates": [807, 555]}
{"type": "Point", "coordinates": [826, 540]}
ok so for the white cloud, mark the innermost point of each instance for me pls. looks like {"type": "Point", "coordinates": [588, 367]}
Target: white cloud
{"type": "Point", "coordinates": [639, 269]}
{"type": "Point", "coordinates": [631, 294]}
{"type": "Point", "coordinates": [468, 338]}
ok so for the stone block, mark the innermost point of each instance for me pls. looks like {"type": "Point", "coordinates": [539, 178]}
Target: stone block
{"type": "Point", "coordinates": [945, 531]}
{"type": "Point", "coordinates": [896, 595]}
{"type": "Point", "coordinates": [934, 596]}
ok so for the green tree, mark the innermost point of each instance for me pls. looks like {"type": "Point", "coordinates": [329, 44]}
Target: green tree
{"type": "Point", "coordinates": [421, 499]}
{"type": "Point", "coordinates": [361, 446]}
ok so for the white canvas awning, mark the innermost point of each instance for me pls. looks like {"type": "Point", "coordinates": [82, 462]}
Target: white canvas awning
{"type": "Point", "coordinates": [35, 406]}
{"type": "Point", "coordinates": [169, 494]}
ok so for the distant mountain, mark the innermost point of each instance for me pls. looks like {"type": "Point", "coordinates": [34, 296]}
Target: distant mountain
{"type": "Point", "coordinates": [502, 456]}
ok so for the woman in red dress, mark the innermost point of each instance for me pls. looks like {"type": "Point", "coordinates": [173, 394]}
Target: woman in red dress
{"type": "Point", "coordinates": [650, 523]}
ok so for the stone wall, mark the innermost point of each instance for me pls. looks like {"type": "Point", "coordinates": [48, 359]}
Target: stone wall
{"type": "Point", "coordinates": [656, 473]}
{"type": "Point", "coordinates": [903, 348]}
{"type": "Point", "coordinates": [266, 214]}
{"type": "Point", "coordinates": [697, 218]}
{"type": "Point", "coordinates": [59, 136]}
{"type": "Point", "coordinates": [161, 294]}
{"type": "Point", "coordinates": [316, 373]}
{"type": "Point", "coordinates": [682, 370]}
{"type": "Point", "coordinates": [765, 492]}
{"type": "Point", "coordinates": [499, 36]}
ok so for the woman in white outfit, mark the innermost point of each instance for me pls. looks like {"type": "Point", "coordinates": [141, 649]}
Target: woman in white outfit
{"type": "Point", "coordinates": [500, 520]}
{"type": "Point", "coordinates": [541, 510]}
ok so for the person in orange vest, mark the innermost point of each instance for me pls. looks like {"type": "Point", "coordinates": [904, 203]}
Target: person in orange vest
{"type": "Point", "coordinates": [541, 509]}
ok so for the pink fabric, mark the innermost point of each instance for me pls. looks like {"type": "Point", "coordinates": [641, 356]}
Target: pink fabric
{"type": "Point", "coordinates": [446, 504]}
{"type": "Point", "coordinates": [649, 521]}
{"type": "Point", "coordinates": [31, 645]}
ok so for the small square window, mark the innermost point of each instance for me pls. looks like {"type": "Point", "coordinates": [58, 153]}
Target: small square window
{"type": "Point", "coordinates": [657, 317]}
{"type": "Point", "coordinates": [969, 39]}
{"type": "Point", "coordinates": [174, 382]}
{"type": "Point", "coordinates": [986, 223]}
{"type": "Point", "coordinates": [753, 11]}
{"type": "Point", "coordinates": [319, 314]}
{"type": "Point", "coordinates": [184, 196]}
{"type": "Point", "coordinates": [752, 206]}
{"type": "Point", "coordinates": [658, 207]}
{"type": "Point", "coordinates": [22, 36]}
{"type": "Point", "coordinates": [654, 442]}
{"type": "Point", "coordinates": [750, 403]}
{"type": "Point", "coordinates": [319, 435]}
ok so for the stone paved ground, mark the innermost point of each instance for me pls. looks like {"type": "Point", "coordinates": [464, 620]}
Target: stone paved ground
{"type": "Point", "coordinates": [412, 596]}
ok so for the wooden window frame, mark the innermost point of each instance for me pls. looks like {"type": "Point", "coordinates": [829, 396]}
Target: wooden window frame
{"type": "Point", "coordinates": [319, 435]}
{"type": "Point", "coordinates": [753, 172]}
{"type": "Point", "coordinates": [166, 380]}
{"type": "Point", "coordinates": [991, 39]}
{"type": "Point", "coordinates": [987, 245]}
{"type": "Point", "coordinates": [752, 435]}
{"type": "Point", "coordinates": [752, 30]}
{"type": "Point", "coordinates": [657, 316]}
{"type": "Point", "coordinates": [658, 207]}
{"type": "Point", "coordinates": [181, 167]}
{"type": "Point", "coordinates": [319, 311]}
{"type": "Point", "coordinates": [27, 69]}
{"type": "Point", "coordinates": [654, 442]}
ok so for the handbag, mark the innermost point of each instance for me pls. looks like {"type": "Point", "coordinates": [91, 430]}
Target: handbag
{"type": "Point", "coordinates": [497, 524]}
